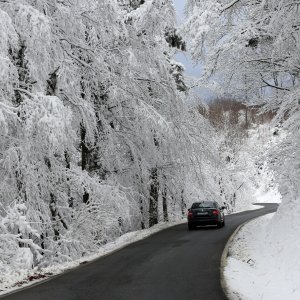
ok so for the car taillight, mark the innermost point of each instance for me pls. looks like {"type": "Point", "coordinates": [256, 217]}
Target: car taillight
{"type": "Point", "coordinates": [215, 212]}
{"type": "Point", "coordinates": [190, 215]}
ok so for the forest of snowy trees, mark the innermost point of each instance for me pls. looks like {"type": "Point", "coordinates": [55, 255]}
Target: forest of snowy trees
{"type": "Point", "coordinates": [96, 136]}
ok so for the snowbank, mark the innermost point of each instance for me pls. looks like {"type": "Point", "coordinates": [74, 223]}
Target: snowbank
{"type": "Point", "coordinates": [258, 267]}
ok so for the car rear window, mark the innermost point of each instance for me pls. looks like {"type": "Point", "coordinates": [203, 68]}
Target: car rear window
{"type": "Point", "coordinates": [204, 204]}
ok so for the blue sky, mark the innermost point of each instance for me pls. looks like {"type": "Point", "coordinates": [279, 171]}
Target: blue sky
{"type": "Point", "coordinates": [191, 69]}
{"type": "Point", "coordinates": [179, 4]}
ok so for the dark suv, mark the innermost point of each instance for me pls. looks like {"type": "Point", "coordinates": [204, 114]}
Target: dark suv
{"type": "Point", "coordinates": [206, 213]}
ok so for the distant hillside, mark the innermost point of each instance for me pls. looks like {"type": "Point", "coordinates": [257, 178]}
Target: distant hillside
{"type": "Point", "coordinates": [225, 113]}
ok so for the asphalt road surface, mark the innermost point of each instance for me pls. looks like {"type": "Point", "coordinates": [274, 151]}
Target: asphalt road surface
{"type": "Point", "coordinates": [174, 264]}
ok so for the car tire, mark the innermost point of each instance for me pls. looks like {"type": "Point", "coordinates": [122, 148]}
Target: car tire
{"type": "Point", "coordinates": [191, 227]}
{"type": "Point", "coordinates": [219, 224]}
{"type": "Point", "coordinates": [223, 224]}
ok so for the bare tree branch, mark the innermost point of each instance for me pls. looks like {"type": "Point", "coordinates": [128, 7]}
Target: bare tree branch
{"type": "Point", "coordinates": [229, 5]}
{"type": "Point", "coordinates": [273, 86]}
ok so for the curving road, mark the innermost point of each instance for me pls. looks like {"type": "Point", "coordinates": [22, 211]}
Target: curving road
{"type": "Point", "coordinates": [174, 264]}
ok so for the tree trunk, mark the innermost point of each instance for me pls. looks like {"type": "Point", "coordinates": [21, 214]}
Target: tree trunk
{"type": "Point", "coordinates": [54, 216]}
{"type": "Point", "coordinates": [53, 206]}
{"type": "Point", "coordinates": [68, 166]}
{"type": "Point", "coordinates": [84, 158]}
{"type": "Point", "coordinates": [22, 69]}
{"type": "Point", "coordinates": [165, 204]}
{"type": "Point", "coordinates": [142, 214]}
{"type": "Point", "coordinates": [84, 149]}
{"type": "Point", "coordinates": [153, 205]}
{"type": "Point", "coordinates": [183, 205]}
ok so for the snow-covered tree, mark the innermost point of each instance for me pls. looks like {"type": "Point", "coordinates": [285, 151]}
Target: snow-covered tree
{"type": "Point", "coordinates": [96, 138]}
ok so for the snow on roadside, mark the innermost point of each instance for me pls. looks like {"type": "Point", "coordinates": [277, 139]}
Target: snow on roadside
{"type": "Point", "coordinates": [256, 269]}
{"type": "Point", "coordinates": [249, 207]}
{"type": "Point", "coordinates": [270, 196]}
{"type": "Point", "coordinates": [12, 281]}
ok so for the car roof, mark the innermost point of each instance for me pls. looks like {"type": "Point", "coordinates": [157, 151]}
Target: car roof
{"type": "Point", "coordinates": [208, 204]}
{"type": "Point", "coordinates": [205, 201]}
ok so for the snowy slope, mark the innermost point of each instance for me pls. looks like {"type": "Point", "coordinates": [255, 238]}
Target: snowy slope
{"type": "Point", "coordinates": [261, 268]}
{"type": "Point", "coordinates": [264, 261]}
{"type": "Point", "coordinates": [250, 179]}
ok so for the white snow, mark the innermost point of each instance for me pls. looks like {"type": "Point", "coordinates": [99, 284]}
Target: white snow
{"type": "Point", "coordinates": [23, 258]}
{"type": "Point", "coordinates": [10, 282]}
{"type": "Point", "coordinates": [257, 270]}
{"type": "Point", "coordinates": [249, 207]}
{"type": "Point", "coordinates": [269, 196]}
